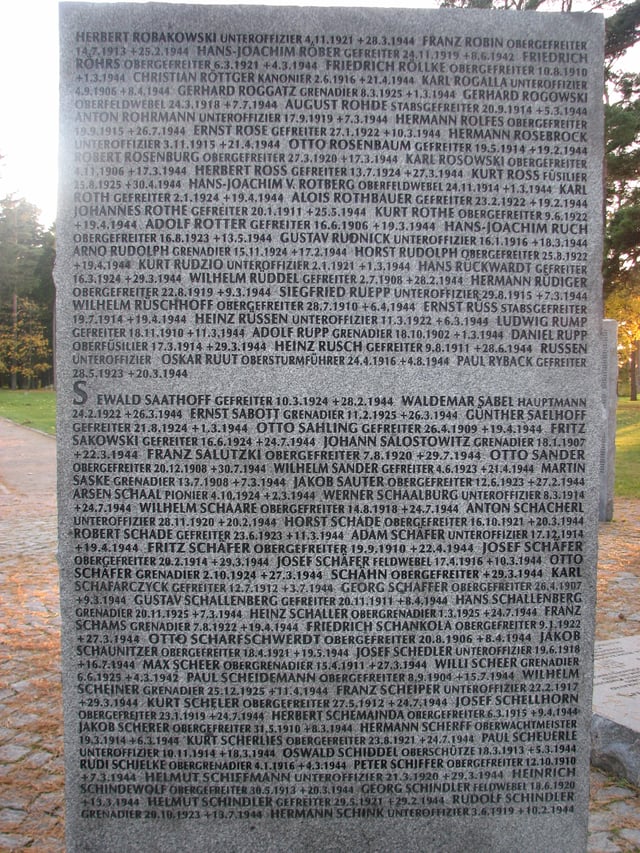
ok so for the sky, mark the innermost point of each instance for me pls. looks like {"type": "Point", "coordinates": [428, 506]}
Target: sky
{"type": "Point", "coordinates": [29, 93]}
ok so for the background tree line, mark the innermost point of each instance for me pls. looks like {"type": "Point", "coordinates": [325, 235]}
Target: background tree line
{"type": "Point", "coordinates": [27, 251]}
{"type": "Point", "coordinates": [622, 230]}
{"type": "Point", "coordinates": [27, 296]}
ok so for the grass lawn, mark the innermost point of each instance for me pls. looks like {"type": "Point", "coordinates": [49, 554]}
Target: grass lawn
{"type": "Point", "coordinates": [35, 409]}
{"type": "Point", "coordinates": [628, 450]}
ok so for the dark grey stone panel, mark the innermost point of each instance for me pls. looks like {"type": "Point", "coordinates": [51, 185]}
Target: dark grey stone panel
{"type": "Point", "coordinates": [329, 365]}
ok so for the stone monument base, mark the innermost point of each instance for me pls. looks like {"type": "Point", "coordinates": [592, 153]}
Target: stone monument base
{"type": "Point", "coordinates": [615, 729]}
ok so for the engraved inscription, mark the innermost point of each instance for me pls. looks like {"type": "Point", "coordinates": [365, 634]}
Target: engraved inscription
{"type": "Point", "coordinates": [329, 352]}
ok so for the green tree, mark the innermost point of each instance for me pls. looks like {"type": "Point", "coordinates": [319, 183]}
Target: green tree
{"type": "Point", "coordinates": [622, 30]}
{"type": "Point", "coordinates": [622, 246]}
{"type": "Point", "coordinates": [621, 269]}
{"type": "Point", "coordinates": [24, 349]}
{"type": "Point", "coordinates": [623, 305]}
{"type": "Point", "coordinates": [26, 262]}
{"type": "Point", "coordinates": [45, 292]}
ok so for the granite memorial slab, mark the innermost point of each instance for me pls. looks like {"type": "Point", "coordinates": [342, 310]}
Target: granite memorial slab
{"type": "Point", "coordinates": [329, 367]}
{"type": "Point", "coordinates": [616, 707]}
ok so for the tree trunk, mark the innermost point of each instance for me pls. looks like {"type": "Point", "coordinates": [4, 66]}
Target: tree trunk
{"type": "Point", "coordinates": [633, 372]}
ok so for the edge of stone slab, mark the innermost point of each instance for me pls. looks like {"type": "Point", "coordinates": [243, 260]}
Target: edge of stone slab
{"type": "Point", "coordinates": [615, 748]}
